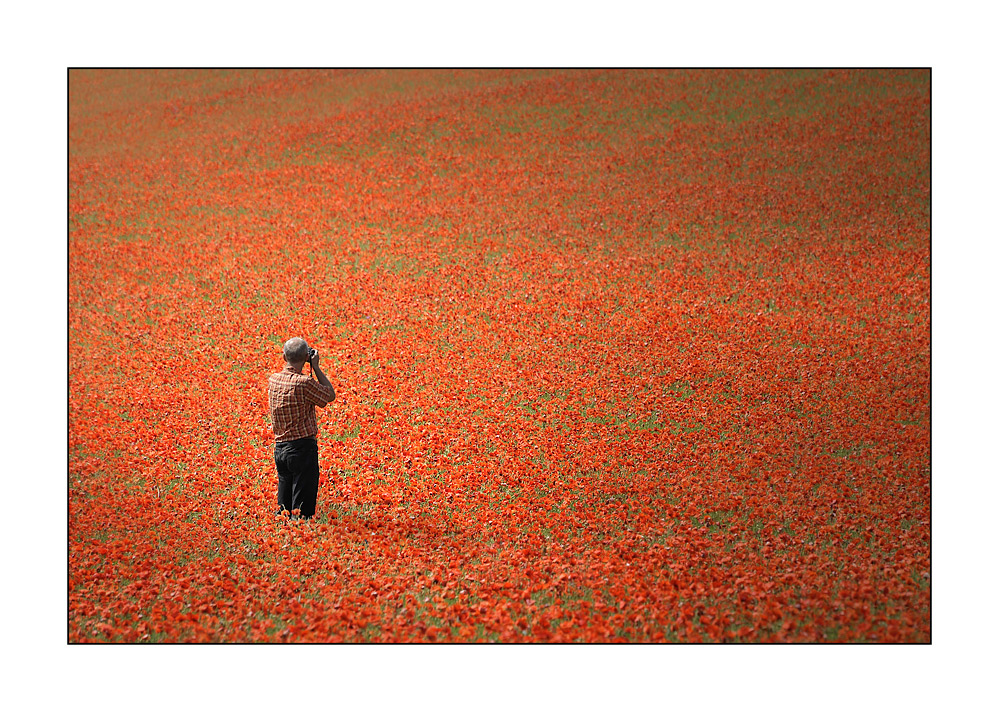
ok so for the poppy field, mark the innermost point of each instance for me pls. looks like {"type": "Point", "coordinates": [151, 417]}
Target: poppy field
{"type": "Point", "coordinates": [620, 355]}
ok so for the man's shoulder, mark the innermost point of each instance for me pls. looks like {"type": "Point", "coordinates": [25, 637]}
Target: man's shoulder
{"type": "Point", "coordinates": [285, 378]}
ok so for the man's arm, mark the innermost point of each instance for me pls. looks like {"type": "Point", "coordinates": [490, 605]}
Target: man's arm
{"type": "Point", "coordinates": [320, 376]}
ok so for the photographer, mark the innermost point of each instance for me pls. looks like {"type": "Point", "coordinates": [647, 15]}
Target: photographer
{"type": "Point", "coordinates": [292, 397]}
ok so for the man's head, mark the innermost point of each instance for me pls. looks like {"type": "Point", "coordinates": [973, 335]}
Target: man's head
{"type": "Point", "coordinates": [296, 351]}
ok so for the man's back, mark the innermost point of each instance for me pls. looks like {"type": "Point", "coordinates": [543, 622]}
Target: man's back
{"type": "Point", "coordinates": [293, 398]}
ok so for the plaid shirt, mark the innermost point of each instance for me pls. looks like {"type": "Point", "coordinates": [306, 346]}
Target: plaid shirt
{"type": "Point", "coordinates": [293, 398]}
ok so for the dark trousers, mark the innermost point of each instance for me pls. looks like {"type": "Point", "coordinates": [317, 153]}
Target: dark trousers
{"type": "Point", "coordinates": [298, 475]}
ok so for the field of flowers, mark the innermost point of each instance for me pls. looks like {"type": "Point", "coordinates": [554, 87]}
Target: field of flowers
{"type": "Point", "coordinates": [637, 356]}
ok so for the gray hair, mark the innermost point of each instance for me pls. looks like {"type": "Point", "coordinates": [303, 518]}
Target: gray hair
{"type": "Point", "coordinates": [296, 350]}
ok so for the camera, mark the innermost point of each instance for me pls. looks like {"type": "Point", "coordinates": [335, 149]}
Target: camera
{"type": "Point", "coordinates": [312, 354]}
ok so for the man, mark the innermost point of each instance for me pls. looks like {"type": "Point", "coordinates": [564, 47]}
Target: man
{"type": "Point", "coordinates": [293, 397]}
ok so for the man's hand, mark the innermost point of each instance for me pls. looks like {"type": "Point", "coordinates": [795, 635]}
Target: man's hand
{"type": "Point", "coordinates": [314, 358]}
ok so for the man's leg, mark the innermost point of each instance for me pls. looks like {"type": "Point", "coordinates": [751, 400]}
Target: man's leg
{"type": "Point", "coordinates": [305, 487]}
{"type": "Point", "coordinates": [285, 476]}
{"type": "Point", "coordinates": [310, 479]}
